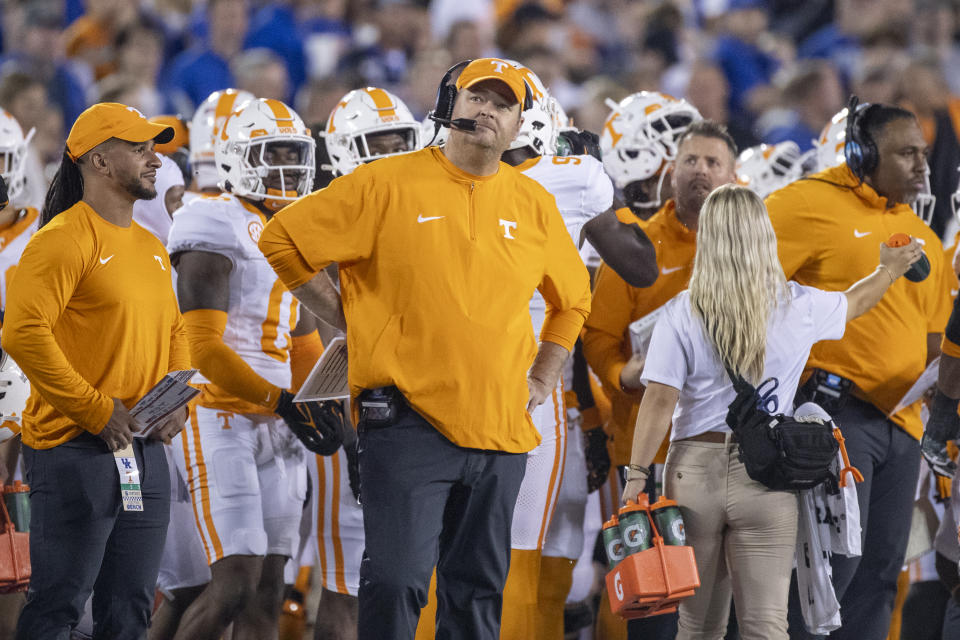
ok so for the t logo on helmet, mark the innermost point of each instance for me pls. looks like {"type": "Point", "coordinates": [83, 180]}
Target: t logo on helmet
{"type": "Point", "coordinates": [499, 65]}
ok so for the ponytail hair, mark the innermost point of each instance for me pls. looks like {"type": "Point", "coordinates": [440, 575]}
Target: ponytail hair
{"type": "Point", "coordinates": [65, 191]}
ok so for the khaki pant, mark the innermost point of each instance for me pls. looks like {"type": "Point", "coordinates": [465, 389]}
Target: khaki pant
{"type": "Point", "coordinates": [743, 536]}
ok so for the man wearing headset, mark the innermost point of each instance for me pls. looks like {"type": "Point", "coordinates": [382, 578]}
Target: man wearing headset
{"type": "Point", "coordinates": [440, 251]}
{"type": "Point", "coordinates": [828, 227]}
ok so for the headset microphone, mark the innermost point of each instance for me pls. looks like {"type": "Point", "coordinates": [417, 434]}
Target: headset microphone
{"type": "Point", "coordinates": [464, 124]}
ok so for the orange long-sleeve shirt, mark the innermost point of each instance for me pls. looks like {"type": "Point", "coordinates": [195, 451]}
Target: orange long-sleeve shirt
{"type": "Point", "coordinates": [829, 229]}
{"type": "Point", "coordinates": [606, 339]}
{"type": "Point", "coordinates": [91, 315]}
{"type": "Point", "coordinates": [437, 268]}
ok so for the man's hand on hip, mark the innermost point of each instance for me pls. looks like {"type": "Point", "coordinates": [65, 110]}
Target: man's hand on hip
{"type": "Point", "coordinates": [544, 372]}
{"type": "Point", "coordinates": [538, 393]}
{"type": "Point", "coordinates": [119, 429]}
{"type": "Point", "coordinates": [171, 426]}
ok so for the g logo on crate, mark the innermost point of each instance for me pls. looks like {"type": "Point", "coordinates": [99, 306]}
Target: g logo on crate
{"type": "Point", "coordinates": [618, 586]}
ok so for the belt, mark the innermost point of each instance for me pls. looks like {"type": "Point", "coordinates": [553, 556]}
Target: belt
{"type": "Point", "coordinates": [717, 437]}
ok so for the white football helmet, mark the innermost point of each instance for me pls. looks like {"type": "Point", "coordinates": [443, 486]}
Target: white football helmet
{"type": "Point", "coordinates": [926, 202]}
{"type": "Point", "coordinates": [207, 122]}
{"type": "Point", "coordinates": [538, 131]}
{"type": "Point", "coordinates": [13, 151]}
{"type": "Point", "coordinates": [832, 139]}
{"type": "Point", "coordinates": [768, 167]}
{"type": "Point", "coordinates": [245, 149]}
{"type": "Point", "coordinates": [564, 122]}
{"type": "Point", "coordinates": [639, 138]}
{"type": "Point", "coordinates": [14, 391]}
{"type": "Point", "coordinates": [361, 116]}
{"type": "Point", "coordinates": [432, 134]}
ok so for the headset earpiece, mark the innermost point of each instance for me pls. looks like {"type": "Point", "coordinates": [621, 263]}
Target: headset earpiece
{"type": "Point", "coordinates": [859, 148]}
{"type": "Point", "coordinates": [447, 92]}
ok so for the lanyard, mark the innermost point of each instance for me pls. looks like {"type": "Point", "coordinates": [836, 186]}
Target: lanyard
{"type": "Point", "coordinates": [129, 479]}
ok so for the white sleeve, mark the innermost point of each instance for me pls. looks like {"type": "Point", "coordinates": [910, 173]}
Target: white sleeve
{"type": "Point", "coordinates": [828, 310]}
{"type": "Point", "coordinates": [666, 361]}
{"type": "Point", "coordinates": [598, 195]}
{"type": "Point", "coordinates": [202, 227]}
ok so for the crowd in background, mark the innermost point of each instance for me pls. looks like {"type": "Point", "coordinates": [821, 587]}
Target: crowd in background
{"type": "Point", "coordinates": [772, 70]}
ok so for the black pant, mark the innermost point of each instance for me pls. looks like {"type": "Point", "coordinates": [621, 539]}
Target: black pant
{"type": "Point", "coordinates": [429, 502]}
{"type": "Point", "coordinates": [866, 586]}
{"type": "Point", "coordinates": [81, 539]}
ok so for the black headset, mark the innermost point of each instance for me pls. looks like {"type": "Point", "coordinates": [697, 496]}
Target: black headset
{"type": "Point", "coordinates": [442, 112]}
{"type": "Point", "coordinates": [859, 148]}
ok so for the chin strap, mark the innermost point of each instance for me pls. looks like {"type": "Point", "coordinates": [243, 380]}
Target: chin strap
{"type": "Point", "coordinates": [275, 204]}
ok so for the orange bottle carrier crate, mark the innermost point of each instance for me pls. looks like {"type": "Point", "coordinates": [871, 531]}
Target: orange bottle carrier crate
{"type": "Point", "coordinates": [653, 580]}
{"type": "Point", "coordinates": [14, 545]}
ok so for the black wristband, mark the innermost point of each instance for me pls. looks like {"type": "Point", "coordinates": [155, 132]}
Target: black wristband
{"type": "Point", "coordinates": [944, 423]}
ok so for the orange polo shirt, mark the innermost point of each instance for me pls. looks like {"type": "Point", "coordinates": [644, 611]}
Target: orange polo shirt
{"type": "Point", "coordinates": [606, 338]}
{"type": "Point", "coordinates": [90, 316]}
{"type": "Point", "coordinates": [828, 236]}
{"type": "Point", "coordinates": [437, 268]}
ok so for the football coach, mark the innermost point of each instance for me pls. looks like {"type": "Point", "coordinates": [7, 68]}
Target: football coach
{"type": "Point", "coordinates": [439, 252]}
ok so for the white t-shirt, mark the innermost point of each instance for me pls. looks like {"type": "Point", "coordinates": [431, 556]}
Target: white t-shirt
{"type": "Point", "coordinates": [682, 356]}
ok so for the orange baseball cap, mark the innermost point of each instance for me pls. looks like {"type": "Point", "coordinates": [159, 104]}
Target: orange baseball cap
{"type": "Point", "coordinates": [493, 69]}
{"type": "Point", "coordinates": [181, 133]}
{"type": "Point", "coordinates": [107, 120]}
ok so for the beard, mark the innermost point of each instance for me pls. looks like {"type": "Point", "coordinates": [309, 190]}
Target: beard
{"type": "Point", "coordinates": [136, 188]}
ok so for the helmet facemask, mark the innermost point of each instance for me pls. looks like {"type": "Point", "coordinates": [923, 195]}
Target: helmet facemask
{"type": "Point", "coordinates": [925, 201]}
{"type": "Point", "coordinates": [13, 167]}
{"type": "Point", "coordinates": [277, 171]}
{"type": "Point", "coordinates": [349, 151]}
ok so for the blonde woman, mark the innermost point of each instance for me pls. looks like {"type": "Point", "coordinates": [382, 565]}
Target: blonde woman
{"type": "Point", "coordinates": [738, 310]}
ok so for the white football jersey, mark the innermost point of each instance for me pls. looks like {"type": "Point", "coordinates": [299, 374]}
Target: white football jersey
{"type": "Point", "coordinates": [262, 311]}
{"type": "Point", "coordinates": [13, 239]}
{"type": "Point", "coordinates": [582, 190]}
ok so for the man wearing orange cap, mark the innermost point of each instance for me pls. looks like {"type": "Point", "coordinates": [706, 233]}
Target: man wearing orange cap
{"type": "Point", "coordinates": [440, 251]}
{"type": "Point", "coordinates": [92, 320]}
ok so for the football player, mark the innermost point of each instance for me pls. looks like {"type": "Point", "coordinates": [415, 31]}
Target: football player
{"type": "Point", "coordinates": [638, 144]}
{"type": "Point", "coordinates": [366, 124]}
{"type": "Point", "coordinates": [206, 125]}
{"type": "Point", "coordinates": [17, 220]}
{"type": "Point", "coordinates": [246, 471]}
{"type": "Point", "coordinates": [17, 223]}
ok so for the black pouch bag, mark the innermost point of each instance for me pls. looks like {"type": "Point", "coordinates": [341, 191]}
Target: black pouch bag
{"type": "Point", "coordinates": [777, 451]}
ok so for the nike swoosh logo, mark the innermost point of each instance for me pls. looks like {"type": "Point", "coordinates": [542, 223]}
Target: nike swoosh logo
{"type": "Point", "coordinates": [954, 292]}
{"type": "Point", "coordinates": [421, 219]}
{"type": "Point", "coordinates": [107, 259]}
{"type": "Point", "coordinates": [861, 234]}
{"type": "Point", "coordinates": [666, 271]}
